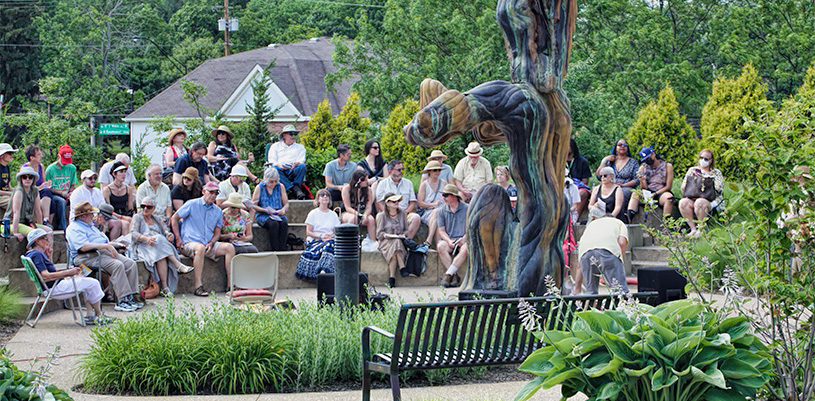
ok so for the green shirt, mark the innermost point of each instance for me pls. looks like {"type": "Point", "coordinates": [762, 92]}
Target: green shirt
{"type": "Point", "coordinates": [61, 178]}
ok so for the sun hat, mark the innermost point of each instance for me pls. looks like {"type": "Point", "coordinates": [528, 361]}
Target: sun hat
{"type": "Point", "coordinates": [65, 154]}
{"type": "Point", "coordinates": [173, 133]}
{"type": "Point", "coordinates": [289, 129]}
{"type": "Point", "coordinates": [28, 170]}
{"type": "Point", "coordinates": [233, 200]}
{"type": "Point", "coordinates": [84, 208]}
{"type": "Point", "coordinates": [450, 189]}
{"type": "Point", "coordinates": [86, 174]}
{"type": "Point", "coordinates": [106, 209]}
{"type": "Point", "coordinates": [645, 153]}
{"type": "Point", "coordinates": [6, 148]}
{"type": "Point", "coordinates": [222, 128]}
{"type": "Point", "coordinates": [191, 173]}
{"type": "Point", "coordinates": [34, 235]}
{"type": "Point", "coordinates": [473, 149]}
{"type": "Point", "coordinates": [432, 166]}
{"type": "Point", "coordinates": [437, 153]}
{"type": "Point", "coordinates": [239, 170]}
{"type": "Point", "coordinates": [117, 166]}
{"type": "Point", "coordinates": [211, 187]}
{"type": "Point", "coordinates": [394, 198]}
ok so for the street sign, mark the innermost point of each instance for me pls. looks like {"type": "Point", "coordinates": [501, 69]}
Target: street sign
{"type": "Point", "coordinates": [114, 129]}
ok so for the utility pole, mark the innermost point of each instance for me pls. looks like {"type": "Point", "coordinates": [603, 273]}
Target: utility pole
{"type": "Point", "coordinates": [226, 31]}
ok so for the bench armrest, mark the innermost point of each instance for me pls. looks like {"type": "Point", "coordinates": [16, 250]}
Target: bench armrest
{"type": "Point", "coordinates": [366, 338]}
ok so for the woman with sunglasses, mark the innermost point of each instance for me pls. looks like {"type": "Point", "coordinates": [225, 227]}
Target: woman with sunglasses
{"type": "Point", "coordinates": [236, 226]}
{"type": "Point", "coordinates": [153, 244]}
{"type": "Point", "coordinates": [121, 196]}
{"type": "Point", "coordinates": [223, 154]}
{"type": "Point", "coordinates": [391, 229]}
{"type": "Point", "coordinates": [701, 206]}
{"type": "Point", "coordinates": [373, 164]}
{"type": "Point", "coordinates": [625, 168]}
{"type": "Point", "coordinates": [318, 257]}
{"type": "Point", "coordinates": [607, 192]}
{"type": "Point", "coordinates": [24, 209]}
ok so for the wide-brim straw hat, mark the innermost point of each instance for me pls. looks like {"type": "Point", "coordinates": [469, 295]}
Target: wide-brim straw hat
{"type": "Point", "coordinates": [394, 198]}
{"type": "Point", "coordinates": [222, 128]}
{"type": "Point", "coordinates": [450, 189]}
{"type": "Point", "coordinates": [173, 133]}
{"type": "Point", "coordinates": [28, 170]}
{"type": "Point", "coordinates": [191, 173]}
{"type": "Point", "coordinates": [234, 200]}
{"type": "Point", "coordinates": [432, 165]}
{"type": "Point", "coordinates": [84, 208]}
{"type": "Point", "coordinates": [473, 149]}
{"type": "Point", "coordinates": [437, 153]}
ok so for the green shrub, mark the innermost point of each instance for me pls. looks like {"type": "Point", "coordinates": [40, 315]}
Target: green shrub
{"type": "Point", "coordinates": [10, 305]}
{"type": "Point", "coordinates": [29, 385]}
{"type": "Point", "coordinates": [394, 146]}
{"type": "Point", "coordinates": [316, 160]}
{"type": "Point", "coordinates": [660, 126]}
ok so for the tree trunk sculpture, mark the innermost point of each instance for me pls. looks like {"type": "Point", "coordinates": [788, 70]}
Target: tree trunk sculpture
{"type": "Point", "coordinates": [532, 115]}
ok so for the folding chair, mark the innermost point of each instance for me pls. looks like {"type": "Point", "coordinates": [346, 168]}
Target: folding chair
{"type": "Point", "coordinates": [44, 291]}
{"type": "Point", "coordinates": [254, 274]}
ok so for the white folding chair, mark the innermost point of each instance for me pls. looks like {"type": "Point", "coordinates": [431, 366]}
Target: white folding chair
{"type": "Point", "coordinates": [254, 274]}
{"type": "Point", "coordinates": [45, 293]}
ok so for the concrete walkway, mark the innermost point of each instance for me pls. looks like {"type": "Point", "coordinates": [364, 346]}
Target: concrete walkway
{"type": "Point", "coordinates": [57, 329]}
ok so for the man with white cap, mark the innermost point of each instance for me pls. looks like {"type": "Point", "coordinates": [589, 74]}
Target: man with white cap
{"type": "Point", "coordinates": [106, 176]}
{"type": "Point", "coordinates": [61, 283]}
{"type": "Point", "coordinates": [6, 156]}
{"type": "Point", "coordinates": [89, 246]}
{"type": "Point", "coordinates": [601, 251]}
{"type": "Point", "coordinates": [289, 158]}
{"type": "Point", "coordinates": [452, 246]}
{"type": "Point", "coordinates": [472, 172]}
{"type": "Point", "coordinates": [446, 174]}
{"type": "Point", "coordinates": [236, 183]}
{"type": "Point", "coordinates": [154, 188]}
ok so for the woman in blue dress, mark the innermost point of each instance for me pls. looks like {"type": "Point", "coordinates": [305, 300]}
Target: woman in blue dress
{"type": "Point", "coordinates": [270, 204]}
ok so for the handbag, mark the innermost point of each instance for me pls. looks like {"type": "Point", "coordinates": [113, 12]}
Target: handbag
{"type": "Point", "coordinates": [150, 291]}
{"type": "Point", "coordinates": [700, 187]}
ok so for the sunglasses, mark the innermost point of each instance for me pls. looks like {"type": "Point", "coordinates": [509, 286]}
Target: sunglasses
{"type": "Point", "coordinates": [148, 207]}
{"type": "Point", "coordinates": [28, 177]}
{"type": "Point", "coordinates": [91, 178]}
{"type": "Point", "coordinates": [606, 175]}
{"type": "Point", "coordinates": [374, 147]}
{"type": "Point", "coordinates": [323, 195]}
{"type": "Point", "coordinates": [625, 145]}
{"type": "Point", "coordinates": [212, 192]}
{"type": "Point", "coordinates": [704, 158]}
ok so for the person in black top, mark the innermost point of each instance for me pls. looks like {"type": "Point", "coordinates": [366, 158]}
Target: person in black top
{"type": "Point", "coordinates": [579, 172]}
{"type": "Point", "coordinates": [190, 188]}
{"type": "Point", "coordinates": [195, 158]}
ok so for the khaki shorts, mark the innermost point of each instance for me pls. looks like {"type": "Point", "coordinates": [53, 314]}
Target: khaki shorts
{"type": "Point", "coordinates": [190, 251]}
{"type": "Point", "coordinates": [412, 216]}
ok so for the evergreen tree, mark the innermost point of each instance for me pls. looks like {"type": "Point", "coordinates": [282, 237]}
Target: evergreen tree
{"type": "Point", "coordinates": [254, 131]}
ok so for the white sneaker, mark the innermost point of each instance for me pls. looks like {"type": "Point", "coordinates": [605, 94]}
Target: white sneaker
{"type": "Point", "coordinates": [123, 306]}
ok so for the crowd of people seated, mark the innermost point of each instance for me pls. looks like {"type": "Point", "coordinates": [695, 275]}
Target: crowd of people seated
{"type": "Point", "coordinates": [199, 203]}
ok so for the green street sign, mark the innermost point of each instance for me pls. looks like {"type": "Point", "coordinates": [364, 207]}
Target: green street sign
{"type": "Point", "coordinates": [114, 129]}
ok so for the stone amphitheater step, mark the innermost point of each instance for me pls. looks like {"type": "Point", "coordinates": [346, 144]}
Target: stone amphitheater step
{"type": "Point", "coordinates": [214, 274]}
{"type": "Point", "coordinates": [651, 254]}
{"type": "Point", "coordinates": [11, 259]}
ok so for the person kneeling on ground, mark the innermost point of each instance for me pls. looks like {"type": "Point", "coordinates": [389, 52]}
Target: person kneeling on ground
{"type": "Point", "coordinates": [601, 251]}
{"type": "Point", "coordinates": [452, 246]}
{"type": "Point", "coordinates": [199, 234]}
{"type": "Point", "coordinates": [89, 246]}
{"type": "Point", "coordinates": [39, 252]}
{"type": "Point", "coordinates": [391, 228]}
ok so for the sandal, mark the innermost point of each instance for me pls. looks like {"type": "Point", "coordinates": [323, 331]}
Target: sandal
{"type": "Point", "coordinates": [201, 292]}
{"type": "Point", "coordinates": [166, 292]}
{"type": "Point", "coordinates": [185, 269]}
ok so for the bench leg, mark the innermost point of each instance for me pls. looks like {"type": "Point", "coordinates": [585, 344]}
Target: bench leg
{"type": "Point", "coordinates": [366, 382]}
{"type": "Point", "coordinates": [395, 387]}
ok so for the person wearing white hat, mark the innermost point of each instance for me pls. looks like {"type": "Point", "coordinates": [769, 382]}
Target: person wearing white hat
{"type": "Point", "coordinates": [472, 172]}
{"type": "Point", "coordinates": [289, 158]}
{"type": "Point", "coordinates": [24, 210]}
{"type": "Point", "coordinates": [6, 156]}
{"type": "Point", "coordinates": [59, 282]}
{"type": "Point", "coordinates": [236, 183]}
{"type": "Point", "coordinates": [391, 229]}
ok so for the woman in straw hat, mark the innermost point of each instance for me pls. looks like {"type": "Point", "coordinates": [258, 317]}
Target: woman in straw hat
{"type": "Point", "coordinates": [24, 210]}
{"type": "Point", "coordinates": [223, 154]}
{"type": "Point", "coordinates": [175, 149]}
{"type": "Point", "coordinates": [237, 225]}
{"type": "Point", "coordinates": [446, 173]}
{"type": "Point", "coordinates": [430, 197]}
{"type": "Point", "coordinates": [153, 244]}
{"type": "Point", "coordinates": [391, 227]}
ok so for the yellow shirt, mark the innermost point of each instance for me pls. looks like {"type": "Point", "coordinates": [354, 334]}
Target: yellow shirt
{"type": "Point", "coordinates": [473, 177]}
{"type": "Point", "coordinates": [603, 233]}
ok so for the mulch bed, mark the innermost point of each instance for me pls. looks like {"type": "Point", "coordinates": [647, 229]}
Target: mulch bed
{"type": "Point", "coordinates": [8, 330]}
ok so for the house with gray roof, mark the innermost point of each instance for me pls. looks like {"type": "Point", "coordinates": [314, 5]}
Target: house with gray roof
{"type": "Point", "coordinates": [298, 87]}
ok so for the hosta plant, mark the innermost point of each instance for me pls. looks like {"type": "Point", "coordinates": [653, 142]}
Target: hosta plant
{"type": "Point", "coordinates": [673, 352]}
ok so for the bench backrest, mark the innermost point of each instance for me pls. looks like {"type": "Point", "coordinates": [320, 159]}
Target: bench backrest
{"type": "Point", "coordinates": [483, 332]}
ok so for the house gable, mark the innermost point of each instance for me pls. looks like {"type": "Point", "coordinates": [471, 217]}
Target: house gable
{"type": "Point", "coordinates": [235, 106]}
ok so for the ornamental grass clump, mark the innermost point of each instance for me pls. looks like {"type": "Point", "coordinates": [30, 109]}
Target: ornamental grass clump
{"type": "Point", "coordinates": [676, 351]}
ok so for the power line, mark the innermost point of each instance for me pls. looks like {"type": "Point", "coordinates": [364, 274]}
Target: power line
{"type": "Point", "coordinates": [344, 4]}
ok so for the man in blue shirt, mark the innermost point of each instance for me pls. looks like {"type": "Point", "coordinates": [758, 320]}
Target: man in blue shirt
{"type": "Point", "coordinates": [89, 246]}
{"type": "Point", "coordinates": [200, 232]}
{"type": "Point", "coordinates": [338, 171]}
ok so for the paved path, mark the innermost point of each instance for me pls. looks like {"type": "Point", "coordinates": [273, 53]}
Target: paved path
{"type": "Point", "coordinates": [57, 328]}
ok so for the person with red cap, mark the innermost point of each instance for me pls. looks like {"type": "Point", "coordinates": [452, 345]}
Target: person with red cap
{"type": "Point", "coordinates": [62, 174]}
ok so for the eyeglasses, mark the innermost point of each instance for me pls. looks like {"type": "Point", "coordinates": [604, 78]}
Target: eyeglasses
{"type": "Point", "coordinates": [323, 195]}
{"type": "Point", "coordinates": [28, 177]}
{"type": "Point", "coordinates": [148, 207]}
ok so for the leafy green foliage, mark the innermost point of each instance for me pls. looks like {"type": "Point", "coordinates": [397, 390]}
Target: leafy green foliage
{"type": "Point", "coordinates": [734, 102]}
{"type": "Point", "coordinates": [393, 143]}
{"type": "Point", "coordinates": [660, 126]}
{"type": "Point", "coordinates": [252, 134]}
{"type": "Point", "coordinates": [10, 305]}
{"type": "Point", "coordinates": [20, 71]}
{"type": "Point", "coordinates": [675, 351]}
{"type": "Point", "coordinates": [30, 385]}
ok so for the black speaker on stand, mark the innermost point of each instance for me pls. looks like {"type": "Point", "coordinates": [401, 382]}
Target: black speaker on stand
{"type": "Point", "coordinates": [666, 280]}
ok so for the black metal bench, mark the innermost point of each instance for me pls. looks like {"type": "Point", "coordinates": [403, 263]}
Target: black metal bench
{"type": "Point", "coordinates": [460, 334]}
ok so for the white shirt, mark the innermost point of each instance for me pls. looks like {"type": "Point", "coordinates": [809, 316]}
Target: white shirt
{"type": "Point", "coordinates": [405, 188]}
{"type": "Point", "coordinates": [161, 196]}
{"type": "Point", "coordinates": [322, 222]}
{"type": "Point", "coordinates": [82, 194]}
{"type": "Point", "coordinates": [225, 188]}
{"type": "Point", "coordinates": [279, 152]}
{"type": "Point", "coordinates": [106, 178]}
